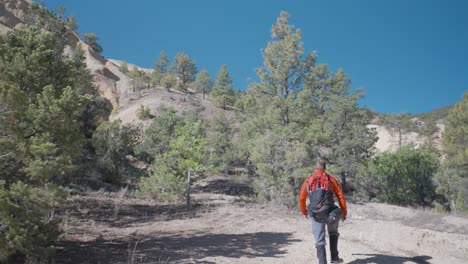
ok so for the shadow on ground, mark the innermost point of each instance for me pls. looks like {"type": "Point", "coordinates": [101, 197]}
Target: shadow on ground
{"type": "Point", "coordinates": [387, 259]}
{"type": "Point", "coordinates": [225, 186]}
{"type": "Point", "coordinates": [123, 215]}
{"type": "Point", "coordinates": [189, 248]}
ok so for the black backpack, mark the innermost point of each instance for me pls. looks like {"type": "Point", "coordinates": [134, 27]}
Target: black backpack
{"type": "Point", "coordinates": [320, 200]}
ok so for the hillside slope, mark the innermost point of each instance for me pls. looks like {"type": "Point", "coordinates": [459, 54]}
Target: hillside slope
{"type": "Point", "coordinates": [111, 82]}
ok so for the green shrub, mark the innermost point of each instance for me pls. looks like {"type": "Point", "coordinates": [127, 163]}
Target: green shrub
{"type": "Point", "coordinates": [169, 81]}
{"type": "Point", "coordinates": [112, 142]}
{"type": "Point", "coordinates": [169, 170]}
{"type": "Point", "coordinates": [29, 214]}
{"type": "Point", "coordinates": [162, 184]}
{"type": "Point", "coordinates": [403, 178]}
{"type": "Point", "coordinates": [157, 136]}
{"type": "Point", "coordinates": [144, 112]}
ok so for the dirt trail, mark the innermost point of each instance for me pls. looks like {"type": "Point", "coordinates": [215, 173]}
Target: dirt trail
{"type": "Point", "coordinates": [224, 227]}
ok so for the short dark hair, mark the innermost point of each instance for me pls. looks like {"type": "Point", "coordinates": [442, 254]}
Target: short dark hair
{"type": "Point", "coordinates": [321, 164]}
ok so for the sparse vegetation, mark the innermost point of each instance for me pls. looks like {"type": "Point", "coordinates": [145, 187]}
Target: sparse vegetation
{"type": "Point", "coordinates": [435, 115]}
{"type": "Point", "coordinates": [124, 67]}
{"type": "Point", "coordinates": [169, 82]}
{"type": "Point", "coordinates": [143, 113]}
{"type": "Point", "coordinates": [91, 39]}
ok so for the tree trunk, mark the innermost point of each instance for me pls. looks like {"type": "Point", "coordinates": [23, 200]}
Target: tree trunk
{"type": "Point", "coordinates": [399, 138]}
{"type": "Point", "coordinates": [344, 184]}
{"type": "Point", "coordinates": [188, 190]}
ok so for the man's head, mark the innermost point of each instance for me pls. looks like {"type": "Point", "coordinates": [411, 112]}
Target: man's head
{"type": "Point", "coordinates": [320, 164]}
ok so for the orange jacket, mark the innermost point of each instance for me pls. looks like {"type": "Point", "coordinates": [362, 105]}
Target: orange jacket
{"type": "Point", "coordinates": [336, 189]}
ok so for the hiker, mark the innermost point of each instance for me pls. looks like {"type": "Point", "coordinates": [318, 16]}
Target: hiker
{"type": "Point", "coordinates": [320, 187]}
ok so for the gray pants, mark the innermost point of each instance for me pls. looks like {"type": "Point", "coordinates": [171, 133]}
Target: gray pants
{"type": "Point", "coordinates": [318, 226]}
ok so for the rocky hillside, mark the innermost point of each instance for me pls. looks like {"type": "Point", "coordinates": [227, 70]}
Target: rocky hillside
{"type": "Point", "coordinates": [111, 82]}
{"type": "Point", "coordinates": [11, 14]}
{"type": "Point", "coordinates": [118, 88]}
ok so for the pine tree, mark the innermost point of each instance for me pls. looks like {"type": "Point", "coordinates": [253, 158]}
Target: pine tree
{"type": "Point", "coordinates": [169, 81]}
{"type": "Point", "coordinates": [400, 124]}
{"type": "Point", "coordinates": [219, 141]}
{"type": "Point", "coordinates": [284, 67]}
{"type": "Point", "coordinates": [272, 132]}
{"type": "Point", "coordinates": [112, 142]}
{"type": "Point", "coordinates": [203, 83]}
{"type": "Point", "coordinates": [297, 112]}
{"type": "Point", "coordinates": [48, 112]}
{"type": "Point", "coordinates": [184, 68]}
{"type": "Point", "coordinates": [91, 39]}
{"type": "Point", "coordinates": [72, 24]}
{"type": "Point", "coordinates": [160, 69]}
{"type": "Point", "coordinates": [222, 92]}
{"type": "Point", "coordinates": [137, 77]}
{"type": "Point", "coordinates": [345, 134]}
{"type": "Point", "coordinates": [185, 153]}
{"type": "Point", "coordinates": [162, 64]}
{"type": "Point", "coordinates": [453, 177]}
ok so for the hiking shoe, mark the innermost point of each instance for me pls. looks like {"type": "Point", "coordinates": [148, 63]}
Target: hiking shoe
{"type": "Point", "coordinates": [340, 260]}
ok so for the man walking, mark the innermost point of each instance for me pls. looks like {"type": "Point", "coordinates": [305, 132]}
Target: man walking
{"type": "Point", "coordinates": [320, 187]}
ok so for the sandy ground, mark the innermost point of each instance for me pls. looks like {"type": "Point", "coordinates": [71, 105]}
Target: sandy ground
{"type": "Point", "coordinates": [224, 227]}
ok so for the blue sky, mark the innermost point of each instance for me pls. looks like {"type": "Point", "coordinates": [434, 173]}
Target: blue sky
{"type": "Point", "coordinates": [408, 55]}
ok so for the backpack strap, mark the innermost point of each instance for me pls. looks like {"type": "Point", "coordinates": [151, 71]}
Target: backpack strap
{"type": "Point", "coordinates": [317, 183]}
{"type": "Point", "coordinates": [308, 184]}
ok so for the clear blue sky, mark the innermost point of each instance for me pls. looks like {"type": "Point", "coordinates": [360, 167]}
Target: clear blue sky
{"type": "Point", "coordinates": [408, 55]}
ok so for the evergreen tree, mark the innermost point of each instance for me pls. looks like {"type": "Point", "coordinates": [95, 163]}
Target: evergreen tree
{"type": "Point", "coordinates": [284, 67]}
{"type": "Point", "coordinates": [162, 64]}
{"type": "Point", "coordinates": [455, 138]}
{"type": "Point", "coordinates": [157, 136]}
{"type": "Point", "coordinates": [47, 94]}
{"type": "Point", "coordinates": [112, 142]}
{"type": "Point", "coordinates": [72, 24]}
{"type": "Point", "coordinates": [137, 77]}
{"type": "Point", "coordinates": [203, 83]}
{"type": "Point", "coordinates": [222, 92]}
{"type": "Point", "coordinates": [400, 124]}
{"type": "Point", "coordinates": [219, 142]}
{"type": "Point", "coordinates": [160, 69]}
{"type": "Point", "coordinates": [169, 169]}
{"type": "Point", "coordinates": [184, 68]}
{"type": "Point", "coordinates": [345, 135]}
{"type": "Point", "coordinates": [169, 81]}
{"type": "Point", "coordinates": [453, 177]}
{"type": "Point", "coordinates": [41, 17]}
{"type": "Point", "coordinates": [49, 110]}
{"type": "Point", "coordinates": [273, 143]}
{"type": "Point", "coordinates": [44, 95]}
{"type": "Point", "coordinates": [91, 39]}
{"type": "Point", "coordinates": [297, 112]}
